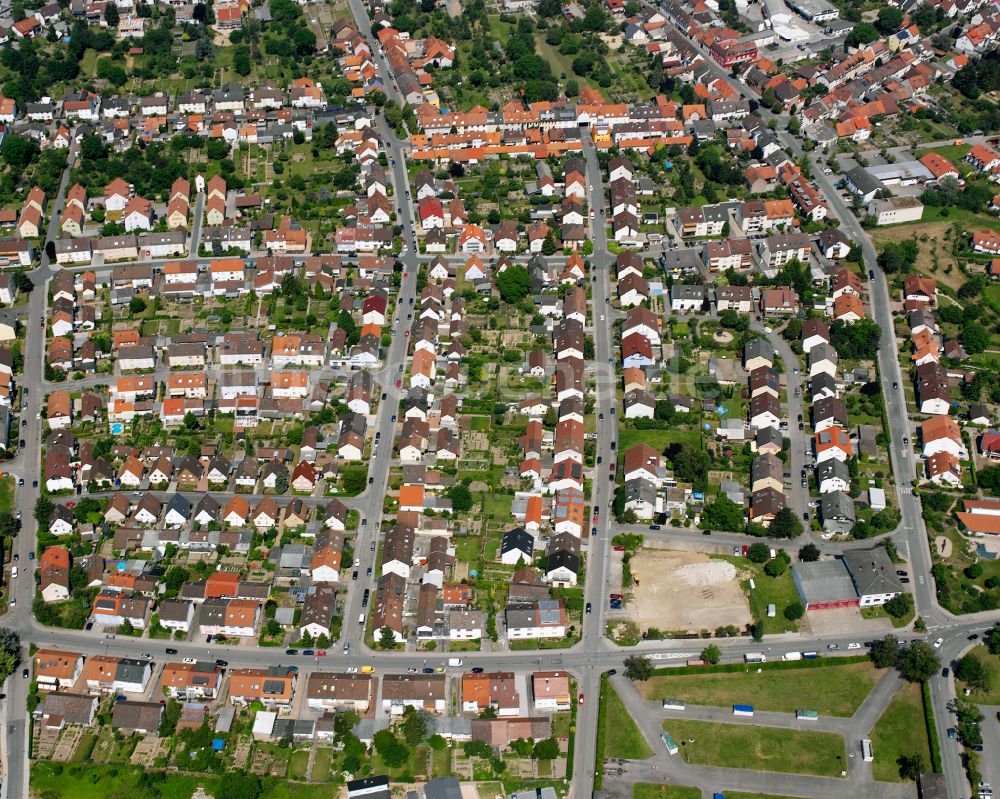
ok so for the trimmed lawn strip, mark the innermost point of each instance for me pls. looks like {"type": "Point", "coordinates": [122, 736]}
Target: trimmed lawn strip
{"type": "Point", "coordinates": [622, 737]}
{"type": "Point", "coordinates": [658, 439]}
{"type": "Point", "coordinates": [831, 690]}
{"type": "Point", "coordinates": [900, 731]}
{"type": "Point", "coordinates": [649, 790]}
{"type": "Point", "coordinates": [759, 748]}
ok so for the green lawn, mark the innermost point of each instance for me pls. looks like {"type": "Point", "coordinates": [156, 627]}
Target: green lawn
{"type": "Point", "coordinates": [7, 495]}
{"type": "Point", "coordinates": [647, 790]}
{"type": "Point", "coordinates": [992, 662]}
{"type": "Point", "coordinates": [622, 737]}
{"type": "Point", "coordinates": [759, 748]}
{"type": "Point", "coordinates": [80, 781]}
{"type": "Point", "coordinates": [322, 764]}
{"type": "Point", "coordinates": [829, 690]}
{"type": "Point", "coordinates": [778, 591]}
{"type": "Point", "coordinates": [658, 439]}
{"type": "Point", "coordinates": [953, 152]}
{"type": "Point", "coordinates": [299, 764]}
{"type": "Point", "coordinates": [900, 731]}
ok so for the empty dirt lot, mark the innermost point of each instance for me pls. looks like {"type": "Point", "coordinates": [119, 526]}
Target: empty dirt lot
{"type": "Point", "coordinates": [685, 591]}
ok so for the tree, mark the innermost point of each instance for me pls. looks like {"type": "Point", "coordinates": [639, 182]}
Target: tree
{"type": "Point", "coordinates": [414, 726]}
{"type": "Point", "coordinates": [43, 510]}
{"type": "Point", "coordinates": [238, 785]}
{"type": "Point", "coordinates": [18, 152]}
{"type": "Point", "coordinates": [974, 337]}
{"type": "Point", "coordinates": [23, 283]}
{"type": "Point", "coordinates": [386, 638]}
{"type": "Point", "coordinates": [809, 553]}
{"type": "Point", "coordinates": [546, 749]}
{"type": "Point", "coordinates": [900, 605]}
{"type": "Point", "coordinates": [919, 662]}
{"type": "Point", "coordinates": [136, 305]}
{"type": "Point", "coordinates": [461, 498]}
{"type": "Point", "coordinates": [910, 766]}
{"type": "Point", "coordinates": [889, 20]}
{"type": "Point", "coordinates": [794, 611]}
{"type": "Point", "coordinates": [971, 670]}
{"type": "Point", "coordinates": [885, 653]}
{"type": "Point", "coordinates": [992, 640]}
{"type": "Point", "coordinates": [775, 567]}
{"type": "Point", "coordinates": [862, 33]}
{"type": "Point", "coordinates": [392, 751]}
{"type": "Point", "coordinates": [711, 653]}
{"type": "Point", "coordinates": [514, 283]}
{"type": "Point", "coordinates": [759, 552]}
{"type": "Point", "coordinates": [723, 514]}
{"type": "Point", "coordinates": [785, 524]}
{"type": "Point", "coordinates": [111, 15]}
{"type": "Point", "coordinates": [638, 668]}
{"type": "Point", "coordinates": [171, 715]}
{"type": "Point", "coordinates": [10, 652]}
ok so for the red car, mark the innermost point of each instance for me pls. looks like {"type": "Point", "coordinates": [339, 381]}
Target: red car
{"type": "Point", "coordinates": [320, 652]}
{"type": "Point", "coordinates": [581, 699]}
{"type": "Point", "coordinates": [398, 383]}
{"type": "Point", "coordinates": [746, 550]}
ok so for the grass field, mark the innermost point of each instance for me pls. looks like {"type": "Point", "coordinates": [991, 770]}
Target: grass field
{"type": "Point", "coordinates": [829, 690]}
{"type": "Point", "coordinates": [992, 662]}
{"type": "Point", "coordinates": [760, 748]}
{"type": "Point", "coordinates": [622, 737]}
{"type": "Point", "coordinates": [778, 591]}
{"type": "Point", "coordinates": [648, 790]}
{"type": "Point", "coordinates": [933, 233]}
{"type": "Point", "coordinates": [900, 731]}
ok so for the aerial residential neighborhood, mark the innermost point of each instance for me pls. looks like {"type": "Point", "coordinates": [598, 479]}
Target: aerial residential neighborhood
{"type": "Point", "coordinates": [522, 399]}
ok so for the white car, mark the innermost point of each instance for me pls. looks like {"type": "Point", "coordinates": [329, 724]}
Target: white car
{"type": "Point", "coordinates": [938, 642]}
{"type": "Point", "coordinates": [189, 660]}
{"type": "Point", "coordinates": [352, 669]}
{"type": "Point", "coordinates": [854, 645]}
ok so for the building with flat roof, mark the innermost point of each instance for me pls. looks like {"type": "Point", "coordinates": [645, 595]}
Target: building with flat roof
{"type": "Point", "coordinates": [824, 584]}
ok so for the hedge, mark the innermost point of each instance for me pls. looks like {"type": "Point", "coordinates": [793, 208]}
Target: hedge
{"type": "Point", "coordinates": [932, 737]}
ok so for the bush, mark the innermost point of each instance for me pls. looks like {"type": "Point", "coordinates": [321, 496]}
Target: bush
{"type": "Point", "coordinates": [794, 611]}
{"type": "Point", "coordinates": [974, 571]}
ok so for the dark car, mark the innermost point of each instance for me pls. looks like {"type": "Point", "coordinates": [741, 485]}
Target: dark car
{"type": "Point", "coordinates": [308, 652]}
{"type": "Point", "coordinates": [373, 546]}
{"type": "Point", "coordinates": [477, 670]}
{"type": "Point", "coordinates": [901, 573]}
{"type": "Point", "coordinates": [945, 672]}
{"type": "Point", "coordinates": [612, 672]}
{"type": "Point", "coordinates": [221, 662]}
{"type": "Point", "coordinates": [427, 670]}
{"type": "Point", "coordinates": [974, 637]}
{"type": "Point", "coordinates": [588, 609]}
{"type": "Point", "coordinates": [871, 274]}
{"type": "Point", "coordinates": [354, 575]}
{"type": "Point", "coordinates": [291, 651]}
{"type": "Point", "coordinates": [895, 385]}
{"type": "Point", "coordinates": [706, 532]}
{"type": "Point", "coordinates": [805, 516]}
{"type": "Point", "coordinates": [170, 651]}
